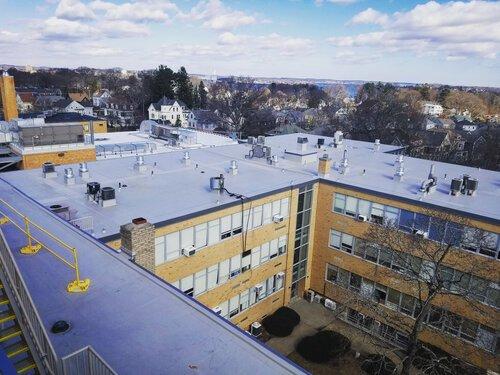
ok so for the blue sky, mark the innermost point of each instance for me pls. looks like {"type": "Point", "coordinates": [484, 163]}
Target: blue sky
{"type": "Point", "coordinates": [455, 42]}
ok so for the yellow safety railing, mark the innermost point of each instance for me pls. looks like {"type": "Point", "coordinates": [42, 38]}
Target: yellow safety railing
{"type": "Point", "coordinates": [34, 245]}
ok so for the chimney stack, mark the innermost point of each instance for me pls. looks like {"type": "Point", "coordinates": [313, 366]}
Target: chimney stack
{"type": "Point", "coordinates": [8, 95]}
{"type": "Point", "coordinates": [138, 241]}
{"type": "Point", "coordinates": [324, 165]}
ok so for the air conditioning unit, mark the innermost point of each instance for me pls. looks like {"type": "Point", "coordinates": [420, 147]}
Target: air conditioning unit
{"type": "Point", "coordinates": [317, 298]}
{"type": "Point", "coordinates": [280, 275]}
{"type": "Point", "coordinates": [256, 329]}
{"type": "Point", "coordinates": [258, 288]}
{"type": "Point", "coordinates": [309, 295]}
{"type": "Point", "coordinates": [217, 310]}
{"type": "Point", "coordinates": [362, 218]}
{"type": "Point", "coordinates": [329, 304]}
{"type": "Point", "coordinates": [422, 233]}
{"type": "Point", "coordinates": [189, 251]}
{"type": "Point", "coordinates": [278, 218]}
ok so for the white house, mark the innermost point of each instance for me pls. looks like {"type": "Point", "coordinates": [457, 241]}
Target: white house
{"type": "Point", "coordinates": [432, 109]}
{"type": "Point", "coordinates": [172, 110]}
{"type": "Point", "coordinates": [101, 97]}
{"type": "Point", "coordinates": [68, 105]}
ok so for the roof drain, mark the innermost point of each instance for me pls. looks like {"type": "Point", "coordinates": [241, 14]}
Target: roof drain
{"type": "Point", "coordinates": [61, 326]}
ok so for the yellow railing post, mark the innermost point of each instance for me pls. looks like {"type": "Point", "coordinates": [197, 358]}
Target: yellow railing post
{"type": "Point", "coordinates": [77, 285]}
{"type": "Point", "coordinates": [29, 248]}
{"type": "Point", "coordinates": [4, 220]}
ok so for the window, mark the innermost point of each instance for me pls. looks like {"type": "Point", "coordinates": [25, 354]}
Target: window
{"type": "Point", "coordinates": [246, 260]}
{"type": "Point", "coordinates": [393, 297]}
{"type": "Point", "coordinates": [282, 245]}
{"type": "Point", "coordinates": [257, 217]}
{"type": "Point", "coordinates": [371, 253]}
{"type": "Point", "coordinates": [339, 203]}
{"type": "Point", "coordinates": [223, 271]}
{"type": "Point", "coordinates": [380, 293]}
{"type": "Point", "coordinates": [273, 249]}
{"type": "Point", "coordinates": [159, 250]}
{"type": "Point", "coordinates": [285, 207]}
{"type": "Point", "coordinates": [187, 238]}
{"type": "Point", "coordinates": [200, 282]}
{"type": "Point", "coordinates": [234, 306]}
{"type": "Point", "coordinates": [212, 276]}
{"type": "Point", "coordinates": [186, 285]}
{"type": "Point", "coordinates": [244, 300]}
{"type": "Point", "coordinates": [172, 242]}
{"type": "Point", "coordinates": [355, 282]}
{"type": "Point", "coordinates": [377, 214]}
{"type": "Point", "coordinates": [237, 226]}
{"type": "Point", "coordinates": [351, 207]}
{"type": "Point", "coordinates": [213, 231]}
{"type": "Point", "coordinates": [255, 257]}
{"type": "Point", "coordinates": [406, 219]}
{"type": "Point", "coordinates": [407, 304]}
{"type": "Point", "coordinates": [267, 210]}
{"type": "Point", "coordinates": [331, 273]}
{"type": "Point", "coordinates": [364, 208]}
{"type": "Point", "coordinates": [200, 235]}
{"type": "Point", "coordinates": [276, 207]}
{"type": "Point", "coordinates": [235, 268]}
{"type": "Point", "coordinates": [264, 253]}
{"type": "Point", "coordinates": [335, 239]}
{"type": "Point", "coordinates": [225, 227]}
{"type": "Point", "coordinates": [385, 257]}
{"type": "Point", "coordinates": [347, 242]}
{"type": "Point", "coordinates": [391, 215]}
{"type": "Point", "coordinates": [469, 330]}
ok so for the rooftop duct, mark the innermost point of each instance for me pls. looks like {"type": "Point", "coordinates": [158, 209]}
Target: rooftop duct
{"type": "Point", "coordinates": [83, 171]}
{"type": "Point", "coordinates": [186, 159]}
{"type": "Point", "coordinates": [233, 168]}
{"type": "Point", "coordinates": [69, 176]}
{"type": "Point", "coordinates": [376, 145]}
{"type": "Point", "coordinates": [49, 170]}
{"type": "Point", "coordinates": [140, 165]}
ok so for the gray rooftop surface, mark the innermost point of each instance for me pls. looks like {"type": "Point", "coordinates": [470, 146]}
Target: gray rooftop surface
{"type": "Point", "coordinates": [175, 190]}
{"type": "Point", "coordinates": [137, 323]}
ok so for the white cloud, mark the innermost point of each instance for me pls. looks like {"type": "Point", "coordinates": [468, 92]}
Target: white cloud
{"type": "Point", "coordinates": [123, 29]}
{"type": "Point", "coordinates": [137, 11]}
{"type": "Point", "coordinates": [73, 10]}
{"type": "Point", "coordinates": [369, 16]}
{"type": "Point", "coordinates": [465, 29]}
{"type": "Point", "coordinates": [7, 37]}
{"type": "Point", "coordinates": [320, 2]}
{"type": "Point", "coordinates": [228, 38]}
{"type": "Point", "coordinates": [217, 16]}
{"type": "Point", "coordinates": [61, 29]}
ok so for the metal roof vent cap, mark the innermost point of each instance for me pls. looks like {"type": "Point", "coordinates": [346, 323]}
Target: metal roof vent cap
{"type": "Point", "coordinates": [399, 160]}
{"type": "Point", "coordinates": [83, 171]}
{"type": "Point", "coordinates": [69, 176]}
{"type": "Point", "coordinates": [344, 164]}
{"type": "Point", "coordinates": [186, 159]}
{"type": "Point", "coordinates": [140, 165]}
{"type": "Point", "coordinates": [376, 145]}
{"type": "Point", "coordinates": [233, 168]}
{"type": "Point", "coordinates": [400, 171]}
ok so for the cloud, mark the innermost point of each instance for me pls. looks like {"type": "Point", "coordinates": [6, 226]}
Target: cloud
{"type": "Point", "coordinates": [123, 29]}
{"type": "Point", "coordinates": [344, 2]}
{"type": "Point", "coordinates": [55, 28]}
{"type": "Point", "coordinates": [7, 37]}
{"type": "Point", "coordinates": [369, 16]}
{"type": "Point", "coordinates": [451, 29]}
{"type": "Point", "coordinates": [274, 42]}
{"type": "Point", "coordinates": [137, 11]}
{"type": "Point", "coordinates": [73, 10]}
{"type": "Point", "coordinates": [352, 57]}
{"type": "Point", "coordinates": [217, 16]}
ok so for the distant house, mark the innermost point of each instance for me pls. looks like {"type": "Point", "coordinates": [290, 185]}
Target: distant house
{"type": "Point", "coordinates": [119, 112]}
{"type": "Point", "coordinates": [88, 107]}
{"type": "Point", "coordinates": [286, 129]}
{"type": "Point", "coordinates": [467, 126]}
{"type": "Point", "coordinates": [432, 143]}
{"type": "Point", "coordinates": [289, 116]}
{"type": "Point", "coordinates": [68, 105]}
{"type": "Point", "coordinates": [432, 109]}
{"type": "Point", "coordinates": [432, 122]}
{"type": "Point", "coordinates": [89, 123]}
{"type": "Point", "coordinates": [26, 104]}
{"type": "Point", "coordinates": [172, 110]}
{"type": "Point", "coordinates": [78, 96]}
{"type": "Point", "coordinates": [46, 102]}
{"type": "Point", "coordinates": [100, 98]}
{"type": "Point", "coordinates": [206, 120]}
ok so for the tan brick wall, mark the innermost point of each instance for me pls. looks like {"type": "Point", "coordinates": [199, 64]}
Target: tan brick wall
{"type": "Point", "coordinates": [259, 311]}
{"type": "Point", "coordinates": [8, 96]}
{"type": "Point", "coordinates": [138, 240]}
{"type": "Point", "coordinates": [100, 126]}
{"type": "Point", "coordinates": [31, 161]}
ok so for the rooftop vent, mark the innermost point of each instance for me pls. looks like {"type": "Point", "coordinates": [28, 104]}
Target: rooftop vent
{"type": "Point", "coordinates": [49, 170]}
{"type": "Point", "coordinates": [186, 159]}
{"type": "Point", "coordinates": [338, 138]}
{"type": "Point", "coordinates": [61, 211]}
{"type": "Point", "coordinates": [321, 142]}
{"type": "Point", "coordinates": [69, 176]}
{"type": "Point", "coordinates": [83, 171]}
{"type": "Point", "coordinates": [140, 165]}
{"type": "Point", "coordinates": [107, 197]}
{"type": "Point", "coordinates": [376, 145]}
{"type": "Point", "coordinates": [344, 164]}
{"type": "Point", "coordinates": [259, 151]}
{"type": "Point", "coordinates": [61, 326]}
{"type": "Point", "coordinates": [217, 183]}
{"type": "Point", "coordinates": [251, 140]}
{"type": "Point", "coordinates": [273, 160]}
{"type": "Point", "coordinates": [429, 186]}
{"type": "Point", "coordinates": [139, 220]}
{"type": "Point", "coordinates": [261, 140]}
{"type": "Point", "coordinates": [233, 168]}
{"type": "Point", "coordinates": [456, 186]}
{"type": "Point", "coordinates": [400, 171]}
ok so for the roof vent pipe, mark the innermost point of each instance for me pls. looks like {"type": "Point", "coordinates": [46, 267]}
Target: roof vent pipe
{"type": "Point", "coordinates": [140, 165]}
{"type": "Point", "coordinates": [376, 146]}
{"type": "Point", "coordinates": [400, 171]}
{"type": "Point", "coordinates": [233, 168]}
{"type": "Point", "coordinates": [69, 176]}
{"type": "Point", "coordinates": [83, 171]}
{"type": "Point", "coordinates": [344, 164]}
{"type": "Point", "coordinates": [399, 160]}
{"type": "Point", "coordinates": [338, 138]}
{"type": "Point", "coordinates": [186, 159]}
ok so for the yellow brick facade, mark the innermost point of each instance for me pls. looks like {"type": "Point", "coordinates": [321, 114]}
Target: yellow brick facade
{"type": "Point", "coordinates": [36, 160]}
{"type": "Point", "coordinates": [8, 96]}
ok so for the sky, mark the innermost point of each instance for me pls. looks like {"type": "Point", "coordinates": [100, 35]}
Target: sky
{"type": "Point", "coordinates": [451, 42]}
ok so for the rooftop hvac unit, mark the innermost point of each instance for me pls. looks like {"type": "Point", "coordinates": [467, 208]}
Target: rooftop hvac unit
{"type": "Point", "coordinates": [471, 186]}
{"type": "Point", "coordinates": [280, 275]}
{"type": "Point", "coordinates": [362, 218]}
{"type": "Point", "coordinates": [317, 298]}
{"type": "Point", "coordinates": [251, 140]}
{"type": "Point", "coordinates": [217, 310]}
{"type": "Point", "coordinates": [456, 186]}
{"type": "Point", "coordinates": [189, 251]}
{"type": "Point", "coordinates": [93, 189]}
{"type": "Point", "coordinates": [107, 197]}
{"type": "Point", "coordinates": [61, 211]}
{"type": "Point", "coordinates": [258, 288]}
{"type": "Point", "coordinates": [302, 140]}
{"type": "Point", "coordinates": [217, 183]}
{"type": "Point", "coordinates": [329, 304]}
{"type": "Point", "coordinates": [256, 329]}
{"type": "Point", "coordinates": [261, 139]}
{"type": "Point", "coordinates": [278, 218]}
{"type": "Point", "coordinates": [309, 295]}
{"type": "Point", "coordinates": [49, 170]}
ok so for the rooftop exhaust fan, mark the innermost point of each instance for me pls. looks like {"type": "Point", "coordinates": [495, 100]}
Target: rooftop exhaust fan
{"type": "Point", "coordinates": [217, 183]}
{"type": "Point", "coordinates": [376, 145]}
{"type": "Point", "coordinates": [83, 171]}
{"type": "Point", "coordinates": [233, 168]}
{"type": "Point", "coordinates": [429, 186]}
{"type": "Point", "coordinates": [344, 164]}
{"type": "Point", "coordinates": [186, 159]}
{"type": "Point", "coordinates": [69, 176]}
{"type": "Point", "coordinates": [465, 185]}
{"type": "Point", "coordinates": [49, 170]}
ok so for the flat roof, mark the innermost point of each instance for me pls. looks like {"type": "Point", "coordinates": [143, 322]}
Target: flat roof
{"type": "Point", "coordinates": [136, 322]}
{"type": "Point", "coordinates": [170, 190]}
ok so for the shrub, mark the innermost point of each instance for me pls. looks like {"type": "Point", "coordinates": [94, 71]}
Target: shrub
{"type": "Point", "coordinates": [323, 346]}
{"type": "Point", "coordinates": [376, 364]}
{"type": "Point", "coordinates": [288, 313]}
{"type": "Point", "coordinates": [277, 325]}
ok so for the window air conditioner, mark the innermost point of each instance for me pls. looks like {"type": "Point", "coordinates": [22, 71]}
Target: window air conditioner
{"type": "Point", "coordinates": [189, 251]}
{"type": "Point", "coordinates": [280, 275]}
{"type": "Point", "coordinates": [256, 329]}
{"type": "Point", "coordinates": [278, 218]}
{"type": "Point", "coordinates": [310, 295]}
{"type": "Point", "coordinates": [422, 233]}
{"type": "Point", "coordinates": [329, 304]}
{"type": "Point", "coordinates": [317, 298]}
{"type": "Point", "coordinates": [362, 218]}
{"type": "Point", "coordinates": [258, 288]}
{"type": "Point", "coordinates": [217, 310]}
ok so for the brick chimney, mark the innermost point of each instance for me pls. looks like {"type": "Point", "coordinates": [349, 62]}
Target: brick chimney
{"type": "Point", "coordinates": [138, 240]}
{"type": "Point", "coordinates": [324, 165]}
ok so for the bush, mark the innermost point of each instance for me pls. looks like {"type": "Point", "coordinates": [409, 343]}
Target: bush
{"type": "Point", "coordinates": [323, 346]}
{"type": "Point", "coordinates": [288, 313]}
{"type": "Point", "coordinates": [282, 322]}
{"type": "Point", "coordinates": [376, 364]}
{"type": "Point", "coordinates": [432, 360]}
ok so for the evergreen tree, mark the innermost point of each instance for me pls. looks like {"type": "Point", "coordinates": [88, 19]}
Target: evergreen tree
{"type": "Point", "coordinates": [184, 88]}
{"type": "Point", "coordinates": [196, 97]}
{"type": "Point", "coordinates": [202, 92]}
{"type": "Point", "coordinates": [178, 123]}
{"type": "Point", "coordinates": [162, 83]}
